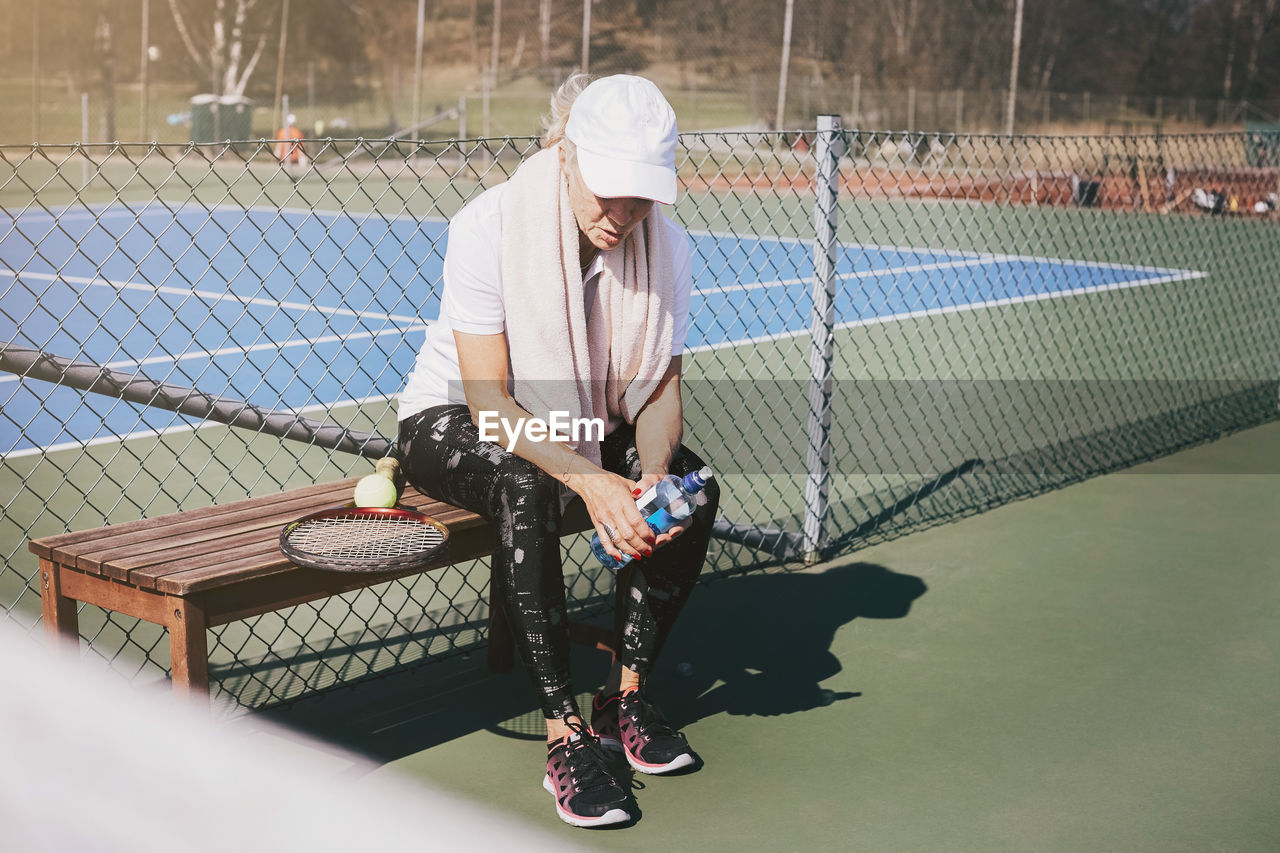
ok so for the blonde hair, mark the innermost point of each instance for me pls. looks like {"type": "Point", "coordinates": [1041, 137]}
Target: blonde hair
{"type": "Point", "coordinates": [553, 123]}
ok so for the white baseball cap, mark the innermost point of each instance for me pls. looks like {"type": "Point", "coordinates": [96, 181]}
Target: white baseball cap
{"type": "Point", "coordinates": [625, 133]}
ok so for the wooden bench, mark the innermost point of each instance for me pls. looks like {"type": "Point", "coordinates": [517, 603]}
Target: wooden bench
{"type": "Point", "coordinates": [191, 571]}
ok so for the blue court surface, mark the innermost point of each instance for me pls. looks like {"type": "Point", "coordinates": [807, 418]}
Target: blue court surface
{"type": "Point", "coordinates": [303, 310]}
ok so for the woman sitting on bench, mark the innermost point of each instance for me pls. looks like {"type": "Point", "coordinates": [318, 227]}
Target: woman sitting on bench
{"type": "Point", "coordinates": [566, 293]}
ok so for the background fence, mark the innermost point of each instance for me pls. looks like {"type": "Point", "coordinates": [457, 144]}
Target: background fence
{"type": "Point", "coordinates": [368, 69]}
{"type": "Point", "coordinates": [889, 330]}
{"type": "Point", "coordinates": [457, 106]}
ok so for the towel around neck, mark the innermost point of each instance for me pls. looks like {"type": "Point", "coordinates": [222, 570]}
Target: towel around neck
{"type": "Point", "coordinates": [606, 367]}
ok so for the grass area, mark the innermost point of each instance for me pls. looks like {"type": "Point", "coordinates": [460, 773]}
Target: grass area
{"type": "Point", "coordinates": [515, 107]}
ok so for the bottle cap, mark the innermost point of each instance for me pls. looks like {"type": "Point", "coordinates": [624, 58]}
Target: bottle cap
{"type": "Point", "coordinates": [695, 480]}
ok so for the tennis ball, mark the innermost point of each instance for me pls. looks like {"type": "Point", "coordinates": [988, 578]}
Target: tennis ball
{"type": "Point", "coordinates": [376, 490]}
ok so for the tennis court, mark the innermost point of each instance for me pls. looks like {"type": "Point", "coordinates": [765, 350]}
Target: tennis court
{"type": "Point", "coordinates": [308, 310]}
{"type": "Point", "coordinates": [984, 350]}
{"type": "Point", "coordinates": [1091, 669]}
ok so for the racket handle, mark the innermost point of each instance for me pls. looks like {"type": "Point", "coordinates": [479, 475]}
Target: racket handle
{"type": "Point", "coordinates": [389, 467]}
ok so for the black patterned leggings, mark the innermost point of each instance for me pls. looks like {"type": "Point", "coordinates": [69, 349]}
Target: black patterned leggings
{"type": "Point", "coordinates": [442, 456]}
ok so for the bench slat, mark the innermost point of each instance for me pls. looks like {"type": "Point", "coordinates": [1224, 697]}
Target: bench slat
{"type": "Point", "coordinates": [119, 556]}
{"type": "Point", "coordinates": [207, 548]}
{"type": "Point", "coordinates": [119, 550]}
{"type": "Point", "coordinates": [471, 540]}
{"type": "Point", "coordinates": [45, 546]}
{"type": "Point", "coordinates": [233, 566]}
{"type": "Point", "coordinates": [467, 541]}
{"type": "Point", "coordinates": [99, 555]}
{"type": "Point", "coordinates": [261, 565]}
{"type": "Point", "coordinates": [247, 549]}
{"type": "Point", "coordinates": [250, 564]}
{"type": "Point", "coordinates": [268, 592]}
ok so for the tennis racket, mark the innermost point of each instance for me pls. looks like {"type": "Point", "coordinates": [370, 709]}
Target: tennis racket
{"type": "Point", "coordinates": [364, 539]}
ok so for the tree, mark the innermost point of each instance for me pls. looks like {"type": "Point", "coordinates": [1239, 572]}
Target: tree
{"type": "Point", "coordinates": [544, 33]}
{"type": "Point", "coordinates": [1233, 31]}
{"type": "Point", "coordinates": [223, 35]}
{"type": "Point", "coordinates": [104, 50]}
{"type": "Point", "coordinates": [1264, 15]}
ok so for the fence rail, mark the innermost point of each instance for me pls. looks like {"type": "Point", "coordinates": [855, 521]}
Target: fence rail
{"type": "Point", "coordinates": [889, 330]}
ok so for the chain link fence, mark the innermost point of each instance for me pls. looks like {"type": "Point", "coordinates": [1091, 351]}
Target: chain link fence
{"type": "Point", "coordinates": [890, 331]}
{"type": "Point", "coordinates": [748, 103]}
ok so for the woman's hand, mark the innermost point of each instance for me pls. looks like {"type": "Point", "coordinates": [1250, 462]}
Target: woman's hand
{"type": "Point", "coordinates": [611, 502]}
{"type": "Point", "coordinates": [646, 482]}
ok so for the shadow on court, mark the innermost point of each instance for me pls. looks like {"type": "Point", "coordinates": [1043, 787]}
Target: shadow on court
{"type": "Point", "coordinates": [761, 645]}
{"type": "Point", "coordinates": [750, 645]}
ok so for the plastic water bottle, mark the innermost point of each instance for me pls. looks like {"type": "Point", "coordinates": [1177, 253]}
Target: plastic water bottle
{"type": "Point", "coordinates": [668, 502]}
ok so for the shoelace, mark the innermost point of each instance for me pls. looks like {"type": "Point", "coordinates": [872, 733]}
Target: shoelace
{"type": "Point", "coordinates": [646, 715]}
{"type": "Point", "coordinates": [587, 759]}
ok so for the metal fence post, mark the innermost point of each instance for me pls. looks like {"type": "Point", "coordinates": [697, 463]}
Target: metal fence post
{"type": "Point", "coordinates": [84, 139]}
{"type": "Point", "coordinates": [822, 329]}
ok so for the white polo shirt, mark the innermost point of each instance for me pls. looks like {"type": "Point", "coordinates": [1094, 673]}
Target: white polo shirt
{"type": "Point", "coordinates": [472, 299]}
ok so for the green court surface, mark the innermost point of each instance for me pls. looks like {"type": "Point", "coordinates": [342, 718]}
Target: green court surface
{"type": "Point", "coordinates": [1094, 669]}
{"type": "Point", "coordinates": [1091, 669]}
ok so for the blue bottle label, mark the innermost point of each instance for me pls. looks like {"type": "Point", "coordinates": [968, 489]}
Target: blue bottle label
{"type": "Point", "coordinates": [661, 521]}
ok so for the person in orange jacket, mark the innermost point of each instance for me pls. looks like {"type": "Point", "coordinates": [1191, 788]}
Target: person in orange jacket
{"type": "Point", "coordinates": [289, 149]}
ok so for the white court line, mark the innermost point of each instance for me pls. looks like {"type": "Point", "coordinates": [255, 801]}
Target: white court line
{"type": "Point", "coordinates": [108, 210]}
{"type": "Point", "coordinates": [412, 324]}
{"type": "Point", "coordinates": [245, 350]}
{"type": "Point", "coordinates": [727, 236]}
{"type": "Point", "coordinates": [806, 241]}
{"type": "Point", "coordinates": [852, 276]}
{"type": "Point", "coordinates": [167, 431]}
{"type": "Point", "coordinates": [1181, 275]}
{"type": "Point", "coordinates": [210, 295]}
{"type": "Point", "coordinates": [925, 250]}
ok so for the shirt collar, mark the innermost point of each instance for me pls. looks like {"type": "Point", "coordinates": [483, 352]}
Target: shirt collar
{"type": "Point", "coordinates": [597, 265]}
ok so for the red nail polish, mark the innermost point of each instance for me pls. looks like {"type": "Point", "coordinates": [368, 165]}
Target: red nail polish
{"type": "Point", "coordinates": [635, 493]}
{"type": "Point", "coordinates": [648, 551]}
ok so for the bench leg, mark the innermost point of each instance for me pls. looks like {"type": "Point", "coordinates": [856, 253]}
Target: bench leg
{"type": "Point", "coordinates": [188, 648]}
{"type": "Point", "coordinates": [501, 645]}
{"type": "Point", "coordinates": [61, 622]}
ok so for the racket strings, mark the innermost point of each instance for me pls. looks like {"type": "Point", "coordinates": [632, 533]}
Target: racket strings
{"type": "Point", "coordinates": [356, 537]}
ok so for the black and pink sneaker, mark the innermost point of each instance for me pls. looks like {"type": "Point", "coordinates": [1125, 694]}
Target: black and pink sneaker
{"type": "Point", "coordinates": [604, 721]}
{"type": "Point", "coordinates": [578, 776]}
{"type": "Point", "coordinates": [631, 724]}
